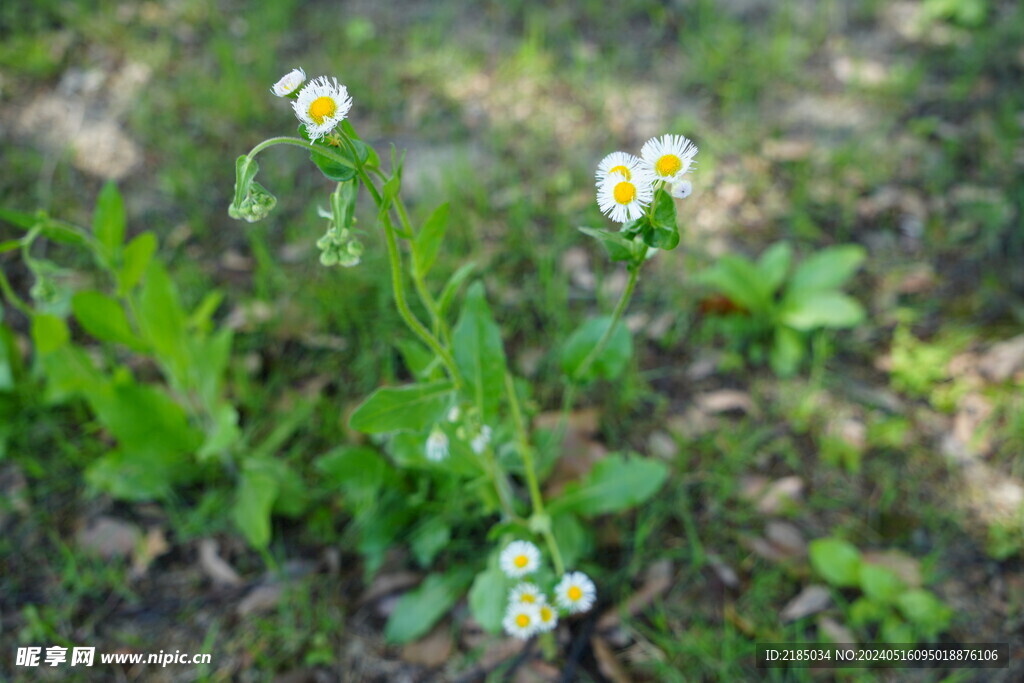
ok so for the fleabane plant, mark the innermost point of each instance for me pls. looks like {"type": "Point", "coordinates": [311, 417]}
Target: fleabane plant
{"type": "Point", "coordinates": [460, 425]}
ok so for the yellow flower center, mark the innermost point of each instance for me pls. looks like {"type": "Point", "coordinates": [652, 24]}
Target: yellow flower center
{"type": "Point", "coordinates": [621, 169]}
{"type": "Point", "coordinates": [574, 593]}
{"type": "Point", "coordinates": [529, 597]}
{"type": "Point", "coordinates": [521, 561]}
{"type": "Point", "coordinates": [668, 165]}
{"type": "Point", "coordinates": [624, 192]}
{"type": "Point", "coordinates": [546, 613]}
{"type": "Point", "coordinates": [522, 620]}
{"type": "Point", "coordinates": [322, 108]}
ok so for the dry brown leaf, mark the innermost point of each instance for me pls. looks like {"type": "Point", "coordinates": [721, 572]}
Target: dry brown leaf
{"type": "Point", "coordinates": [662, 446]}
{"type": "Point", "coordinates": [260, 599]}
{"type": "Point", "coordinates": [537, 671]}
{"type": "Point", "coordinates": [810, 600]}
{"type": "Point", "coordinates": [433, 649]}
{"type": "Point", "coordinates": [726, 574]}
{"type": "Point", "coordinates": [725, 400]}
{"type": "Point", "coordinates": [386, 584]}
{"type": "Point", "coordinates": [835, 632]}
{"type": "Point", "coordinates": [786, 537]}
{"type": "Point", "coordinates": [219, 571]}
{"type": "Point", "coordinates": [607, 662]}
{"type": "Point", "coordinates": [657, 580]}
{"type": "Point", "coordinates": [579, 453]}
{"type": "Point", "coordinates": [109, 538]}
{"type": "Point", "coordinates": [1003, 360]}
{"type": "Point", "coordinates": [906, 567]}
{"type": "Point", "coordinates": [152, 546]}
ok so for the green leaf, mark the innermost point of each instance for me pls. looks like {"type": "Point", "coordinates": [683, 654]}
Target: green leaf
{"type": "Point", "coordinates": [69, 371]}
{"type": "Point", "coordinates": [827, 269]}
{"type": "Point", "coordinates": [836, 561]}
{"type": "Point", "coordinates": [358, 471]}
{"type": "Point", "coordinates": [479, 353]}
{"type": "Point", "coordinates": [428, 241]}
{"type": "Point", "coordinates": [896, 631]}
{"type": "Point", "coordinates": [135, 260]}
{"type": "Point", "coordinates": [428, 539]}
{"type": "Point", "coordinates": [741, 281]}
{"type": "Point", "coordinates": [104, 318]}
{"type": "Point", "coordinates": [618, 247]}
{"type": "Point", "coordinates": [338, 171]}
{"type": "Point", "coordinates": [20, 219]}
{"type": "Point", "coordinates": [663, 219]}
{"type": "Point", "coordinates": [416, 356]}
{"type": "Point", "coordinates": [254, 500]}
{"type": "Point", "coordinates": [488, 597]}
{"type": "Point", "coordinates": [574, 539]}
{"type": "Point", "coordinates": [822, 309]}
{"type": "Point", "coordinates": [137, 476]}
{"type": "Point", "coordinates": [615, 484]}
{"type": "Point", "coordinates": [925, 611]}
{"type": "Point", "coordinates": [222, 434]}
{"type": "Point", "coordinates": [864, 611]}
{"type": "Point", "coordinates": [417, 611]}
{"type": "Point", "coordinates": [108, 220]}
{"type": "Point", "coordinates": [451, 288]}
{"type": "Point", "coordinates": [144, 418]}
{"type": "Point", "coordinates": [49, 333]}
{"type": "Point", "coordinates": [162, 318]}
{"type": "Point", "coordinates": [881, 584]}
{"type": "Point", "coordinates": [774, 265]}
{"type": "Point", "coordinates": [787, 351]}
{"type": "Point", "coordinates": [414, 406]}
{"type": "Point", "coordinates": [612, 359]}
{"type": "Point", "coordinates": [10, 362]}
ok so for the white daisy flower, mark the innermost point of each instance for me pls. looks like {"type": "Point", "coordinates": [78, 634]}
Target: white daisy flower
{"type": "Point", "coordinates": [480, 441]}
{"type": "Point", "coordinates": [682, 190]}
{"type": "Point", "coordinates": [526, 592]}
{"type": "Point", "coordinates": [519, 558]}
{"type": "Point", "coordinates": [321, 105]}
{"type": "Point", "coordinates": [575, 592]}
{"type": "Point", "coordinates": [453, 414]}
{"type": "Point", "coordinates": [668, 157]}
{"type": "Point", "coordinates": [624, 164]}
{"type": "Point", "coordinates": [521, 620]}
{"type": "Point", "coordinates": [437, 445]}
{"type": "Point", "coordinates": [548, 618]}
{"type": "Point", "coordinates": [623, 199]}
{"type": "Point", "coordinates": [289, 83]}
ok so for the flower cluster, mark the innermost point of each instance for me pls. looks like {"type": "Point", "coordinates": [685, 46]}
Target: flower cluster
{"type": "Point", "coordinates": [529, 612]}
{"type": "Point", "coordinates": [320, 105]}
{"type": "Point", "coordinates": [626, 183]}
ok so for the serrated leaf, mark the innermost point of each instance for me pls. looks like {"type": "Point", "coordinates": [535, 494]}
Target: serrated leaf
{"type": "Point", "coordinates": [612, 360]}
{"type": "Point", "coordinates": [479, 353]}
{"type": "Point", "coordinates": [836, 561]}
{"type": "Point", "coordinates": [428, 241]}
{"type": "Point", "coordinates": [413, 407]}
{"type": "Point", "coordinates": [615, 484]}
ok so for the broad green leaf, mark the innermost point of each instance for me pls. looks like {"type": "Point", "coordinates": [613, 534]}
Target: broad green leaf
{"type": "Point", "coordinates": [836, 561]}
{"type": "Point", "coordinates": [864, 611]}
{"type": "Point", "coordinates": [162, 318]}
{"type": "Point", "coordinates": [612, 360]}
{"type": "Point", "coordinates": [451, 288]}
{"type": "Point", "coordinates": [201, 317]}
{"type": "Point", "coordinates": [135, 260]}
{"type": "Point", "coordinates": [615, 484]}
{"type": "Point", "coordinates": [222, 434]}
{"type": "Point", "coordinates": [138, 476]}
{"type": "Point", "coordinates": [254, 500]}
{"type": "Point", "coordinates": [417, 611]}
{"type": "Point", "coordinates": [416, 356]}
{"type": "Point", "coordinates": [144, 418]}
{"type": "Point", "coordinates": [574, 539]}
{"type": "Point", "coordinates": [488, 597]}
{"type": "Point", "coordinates": [10, 359]}
{"type": "Point", "coordinates": [618, 247]}
{"type": "Point", "coordinates": [428, 539]}
{"type": "Point", "coordinates": [665, 233]}
{"type": "Point", "coordinates": [925, 611]}
{"type": "Point", "coordinates": [879, 583]}
{"type": "Point", "coordinates": [894, 630]}
{"type": "Point", "coordinates": [414, 407]}
{"type": "Point", "coordinates": [741, 281]}
{"type": "Point", "coordinates": [478, 350]}
{"type": "Point", "coordinates": [20, 219]}
{"type": "Point", "coordinates": [339, 171]}
{"type": "Point", "coordinates": [104, 318]}
{"type": "Point", "coordinates": [69, 371]}
{"type": "Point", "coordinates": [108, 219]}
{"type": "Point", "coordinates": [787, 351]}
{"type": "Point", "coordinates": [358, 471]}
{"type": "Point", "coordinates": [49, 333]}
{"type": "Point", "coordinates": [293, 494]}
{"type": "Point", "coordinates": [208, 361]}
{"type": "Point", "coordinates": [774, 265]}
{"type": "Point", "coordinates": [827, 269]}
{"type": "Point", "coordinates": [822, 309]}
{"type": "Point", "coordinates": [428, 241]}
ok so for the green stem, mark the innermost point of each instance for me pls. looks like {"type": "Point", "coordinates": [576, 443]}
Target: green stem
{"type": "Point", "coordinates": [299, 142]}
{"type": "Point", "coordinates": [13, 298]}
{"type": "Point", "coordinates": [531, 475]}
